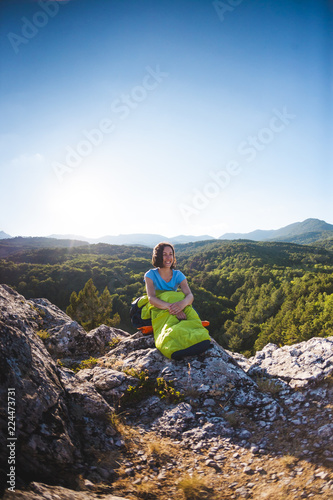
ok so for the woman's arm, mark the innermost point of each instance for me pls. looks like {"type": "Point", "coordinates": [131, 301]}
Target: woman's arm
{"type": "Point", "coordinates": [174, 308]}
{"type": "Point", "coordinates": [155, 301]}
{"type": "Point", "coordinates": [177, 307]}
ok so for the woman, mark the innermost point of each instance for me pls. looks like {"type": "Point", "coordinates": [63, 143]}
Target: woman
{"type": "Point", "coordinates": [167, 307]}
{"type": "Point", "coordinates": [165, 277]}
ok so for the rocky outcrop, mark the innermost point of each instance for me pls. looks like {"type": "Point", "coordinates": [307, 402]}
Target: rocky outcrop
{"type": "Point", "coordinates": [213, 378]}
{"type": "Point", "coordinates": [300, 365]}
{"type": "Point", "coordinates": [61, 422]}
{"type": "Point", "coordinates": [47, 492]}
{"type": "Point", "coordinates": [66, 338]}
{"type": "Point", "coordinates": [214, 401]}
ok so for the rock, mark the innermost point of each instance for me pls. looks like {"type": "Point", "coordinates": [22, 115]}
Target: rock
{"type": "Point", "coordinates": [111, 384]}
{"type": "Point", "coordinates": [326, 431]}
{"type": "Point", "coordinates": [322, 475]}
{"type": "Point", "coordinates": [244, 434]}
{"type": "Point", "coordinates": [212, 463]}
{"type": "Point", "coordinates": [67, 339]}
{"type": "Point", "coordinates": [61, 421]}
{"type": "Point", "coordinates": [243, 492]}
{"type": "Point", "coordinates": [254, 449]}
{"type": "Point", "coordinates": [43, 491]}
{"type": "Point", "coordinates": [99, 338]}
{"type": "Point", "coordinates": [88, 484]}
{"type": "Point", "coordinates": [224, 379]}
{"type": "Point", "coordinates": [130, 471]}
{"type": "Point", "coordinates": [300, 365]}
{"type": "Point", "coordinates": [209, 402]}
{"type": "Point", "coordinates": [211, 405]}
{"type": "Point", "coordinates": [175, 421]}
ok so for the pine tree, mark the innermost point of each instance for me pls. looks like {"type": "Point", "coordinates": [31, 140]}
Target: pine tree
{"type": "Point", "coordinates": [72, 308]}
{"type": "Point", "coordinates": [90, 310]}
{"type": "Point", "coordinates": [105, 310]}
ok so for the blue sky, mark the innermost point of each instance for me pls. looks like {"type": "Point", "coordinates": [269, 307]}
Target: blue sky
{"type": "Point", "coordinates": [170, 117]}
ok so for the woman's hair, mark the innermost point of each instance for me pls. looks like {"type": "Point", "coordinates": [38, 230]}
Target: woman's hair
{"type": "Point", "coordinates": [157, 259]}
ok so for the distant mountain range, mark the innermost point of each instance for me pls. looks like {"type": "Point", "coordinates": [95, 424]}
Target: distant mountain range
{"type": "Point", "coordinates": [149, 240]}
{"type": "Point", "coordinates": [4, 235]}
{"type": "Point", "coordinates": [10, 246]}
{"type": "Point", "coordinates": [306, 232]}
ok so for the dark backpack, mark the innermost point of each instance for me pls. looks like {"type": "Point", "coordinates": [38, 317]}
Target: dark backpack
{"type": "Point", "coordinates": [135, 315]}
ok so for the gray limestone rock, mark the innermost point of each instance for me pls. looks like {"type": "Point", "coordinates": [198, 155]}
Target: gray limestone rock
{"type": "Point", "coordinates": [61, 421]}
{"type": "Point", "coordinates": [63, 418]}
{"type": "Point", "coordinates": [300, 365]}
{"type": "Point", "coordinates": [44, 491]}
{"type": "Point", "coordinates": [67, 339]}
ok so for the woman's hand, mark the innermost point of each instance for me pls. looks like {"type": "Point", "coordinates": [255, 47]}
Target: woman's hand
{"type": "Point", "coordinates": [181, 315]}
{"type": "Point", "coordinates": [176, 308]}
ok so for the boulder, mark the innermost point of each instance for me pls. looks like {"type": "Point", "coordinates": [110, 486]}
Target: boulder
{"type": "Point", "coordinates": [213, 374]}
{"type": "Point", "coordinates": [66, 338]}
{"type": "Point", "coordinates": [61, 421]}
{"type": "Point", "coordinates": [300, 365]}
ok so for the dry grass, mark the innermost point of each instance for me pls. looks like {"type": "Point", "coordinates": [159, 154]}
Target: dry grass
{"type": "Point", "coordinates": [268, 385]}
{"type": "Point", "coordinates": [329, 381]}
{"type": "Point", "coordinates": [147, 490]}
{"type": "Point", "coordinates": [151, 467]}
{"type": "Point", "coordinates": [159, 448]}
{"type": "Point", "coordinates": [232, 418]}
{"type": "Point", "coordinates": [112, 362]}
{"type": "Point", "coordinates": [288, 461]}
{"type": "Point", "coordinates": [127, 432]}
{"type": "Point", "coordinates": [194, 487]}
{"type": "Point", "coordinates": [187, 477]}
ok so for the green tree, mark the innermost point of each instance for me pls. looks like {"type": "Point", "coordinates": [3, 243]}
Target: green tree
{"type": "Point", "coordinates": [105, 309]}
{"type": "Point", "coordinates": [89, 309]}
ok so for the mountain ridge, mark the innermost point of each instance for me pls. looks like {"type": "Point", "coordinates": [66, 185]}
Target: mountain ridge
{"type": "Point", "coordinates": [305, 232]}
{"type": "Point", "coordinates": [290, 231]}
{"type": "Point", "coordinates": [146, 239]}
{"type": "Point", "coordinates": [4, 235]}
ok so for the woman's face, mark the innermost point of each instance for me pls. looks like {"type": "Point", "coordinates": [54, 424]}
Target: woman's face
{"type": "Point", "coordinates": [167, 257]}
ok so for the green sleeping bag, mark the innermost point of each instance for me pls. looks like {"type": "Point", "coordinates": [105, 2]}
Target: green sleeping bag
{"type": "Point", "coordinates": [173, 337]}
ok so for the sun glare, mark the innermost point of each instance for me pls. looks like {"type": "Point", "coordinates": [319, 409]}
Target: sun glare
{"type": "Point", "coordinates": [80, 206]}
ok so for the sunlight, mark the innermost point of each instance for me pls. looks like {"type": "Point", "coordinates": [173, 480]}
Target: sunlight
{"type": "Point", "coordinates": [81, 206]}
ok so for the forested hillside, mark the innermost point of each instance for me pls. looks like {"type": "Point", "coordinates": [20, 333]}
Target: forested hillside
{"type": "Point", "coordinates": [280, 292]}
{"type": "Point", "coordinates": [13, 245]}
{"type": "Point", "coordinates": [251, 292]}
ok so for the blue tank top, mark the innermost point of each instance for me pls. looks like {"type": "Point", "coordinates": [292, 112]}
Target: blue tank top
{"type": "Point", "coordinates": [161, 284]}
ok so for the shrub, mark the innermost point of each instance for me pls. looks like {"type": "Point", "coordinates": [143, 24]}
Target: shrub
{"type": "Point", "coordinates": [85, 364]}
{"type": "Point", "coordinates": [149, 387]}
{"type": "Point", "coordinates": [43, 334]}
